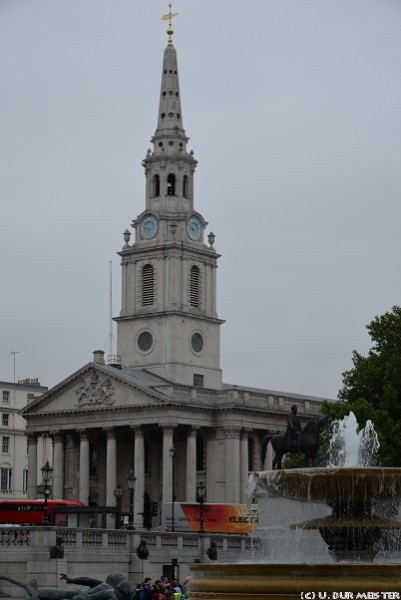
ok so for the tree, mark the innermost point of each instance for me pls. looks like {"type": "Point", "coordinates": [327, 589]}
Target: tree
{"type": "Point", "coordinates": [372, 388]}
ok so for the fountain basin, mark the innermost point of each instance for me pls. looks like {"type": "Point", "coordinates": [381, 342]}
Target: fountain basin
{"type": "Point", "coordinates": [288, 581]}
{"type": "Point", "coordinates": [335, 486]}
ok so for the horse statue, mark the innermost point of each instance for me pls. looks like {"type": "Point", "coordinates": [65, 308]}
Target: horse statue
{"type": "Point", "coordinates": [308, 444]}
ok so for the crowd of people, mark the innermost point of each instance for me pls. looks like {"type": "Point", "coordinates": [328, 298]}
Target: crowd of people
{"type": "Point", "coordinates": [162, 589]}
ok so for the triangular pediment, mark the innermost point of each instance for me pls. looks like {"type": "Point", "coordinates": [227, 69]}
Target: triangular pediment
{"type": "Point", "coordinates": [95, 388]}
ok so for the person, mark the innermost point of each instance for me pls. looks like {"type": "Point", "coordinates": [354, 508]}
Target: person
{"type": "Point", "coordinates": [294, 428]}
{"type": "Point", "coordinates": [145, 593]}
{"type": "Point", "coordinates": [156, 591]}
{"type": "Point", "coordinates": [165, 582]}
{"type": "Point", "coordinates": [177, 592]}
{"type": "Point", "coordinates": [185, 587]}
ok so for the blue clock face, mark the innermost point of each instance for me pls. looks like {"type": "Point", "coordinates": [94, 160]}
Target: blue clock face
{"type": "Point", "coordinates": [149, 227]}
{"type": "Point", "coordinates": [194, 228]}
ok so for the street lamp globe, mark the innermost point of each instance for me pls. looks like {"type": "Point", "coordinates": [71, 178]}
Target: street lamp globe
{"type": "Point", "coordinates": [131, 480]}
{"type": "Point", "coordinates": [47, 472]}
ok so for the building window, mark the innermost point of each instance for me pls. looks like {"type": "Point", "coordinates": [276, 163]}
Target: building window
{"type": "Point", "coordinates": [5, 480]}
{"type": "Point", "coordinates": [5, 444]}
{"type": "Point", "coordinates": [5, 419]}
{"type": "Point", "coordinates": [198, 380]}
{"type": "Point", "coordinates": [145, 341]}
{"type": "Point", "coordinates": [194, 286]}
{"type": "Point", "coordinates": [148, 285]}
{"type": "Point", "coordinates": [185, 186]}
{"type": "Point", "coordinates": [197, 343]}
{"type": "Point", "coordinates": [200, 454]}
{"type": "Point", "coordinates": [156, 186]}
{"type": "Point", "coordinates": [171, 184]}
{"type": "Point", "coordinates": [6, 397]}
{"type": "Point", "coordinates": [25, 480]}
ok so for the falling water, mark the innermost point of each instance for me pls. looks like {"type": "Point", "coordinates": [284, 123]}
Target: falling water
{"type": "Point", "coordinates": [351, 446]}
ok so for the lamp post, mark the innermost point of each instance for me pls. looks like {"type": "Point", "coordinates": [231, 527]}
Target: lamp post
{"type": "Point", "coordinates": [47, 472]}
{"type": "Point", "coordinates": [172, 454]}
{"type": "Point", "coordinates": [201, 493]}
{"type": "Point", "coordinates": [131, 480]}
{"type": "Point", "coordinates": [118, 493]}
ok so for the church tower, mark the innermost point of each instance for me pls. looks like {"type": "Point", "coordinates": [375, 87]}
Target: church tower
{"type": "Point", "coordinates": [168, 322]}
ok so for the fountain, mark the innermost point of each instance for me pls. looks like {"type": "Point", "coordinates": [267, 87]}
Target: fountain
{"type": "Point", "coordinates": [351, 506]}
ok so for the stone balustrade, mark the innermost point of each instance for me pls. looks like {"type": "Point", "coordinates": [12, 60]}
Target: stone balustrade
{"type": "Point", "coordinates": [25, 553]}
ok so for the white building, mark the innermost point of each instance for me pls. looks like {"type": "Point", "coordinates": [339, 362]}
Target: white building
{"type": "Point", "coordinates": [160, 407]}
{"type": "Point", "coordinates": [14, 455]}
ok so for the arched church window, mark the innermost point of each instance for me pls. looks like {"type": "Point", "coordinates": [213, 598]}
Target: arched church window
{"type": "Point", "coordinates": [156, 186]}
{"type": "Point", "coordinates": [171, 184]}
{"type": "Point", "coordinates": [185, 186]}
{"type": "Point", "coordinates": [148, 285]}
{"type": "Point", "coordinates": [194, 286]}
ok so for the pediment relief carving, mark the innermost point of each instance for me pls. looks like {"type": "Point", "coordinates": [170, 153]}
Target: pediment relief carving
{"type": "Point", "coordinates": [95, 390]}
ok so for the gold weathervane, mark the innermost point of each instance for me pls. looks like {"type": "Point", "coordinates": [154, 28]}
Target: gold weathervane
{"type": "Point", "coordinates": [168, 17]}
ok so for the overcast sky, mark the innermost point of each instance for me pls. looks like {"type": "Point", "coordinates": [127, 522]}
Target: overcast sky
{"type": "Point", "coordinates": [293, 108]}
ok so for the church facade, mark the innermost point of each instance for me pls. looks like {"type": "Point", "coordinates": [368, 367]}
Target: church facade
{"type": "Point", "coordinates": [160, 407]}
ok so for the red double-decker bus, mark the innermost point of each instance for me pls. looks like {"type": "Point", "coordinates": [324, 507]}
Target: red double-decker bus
{"type": "Point", "coordinates": [33, 512]}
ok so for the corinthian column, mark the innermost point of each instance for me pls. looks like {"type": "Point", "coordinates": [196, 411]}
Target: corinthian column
{"type": "Point", "coordinates": [139, 470]}
{"type": "Point", "coordinates": [190, 491]}
{"type": "Point", "coordinates": [232, 439]}
{"type": "Point", "coordinates": [32, 465]}
{"type": "Point", "coordinates": [111, 467]}
{"type": "Point", "coordinates": [84, 467]}
{"type": "Point", "coordinates": [244, 464]}
{"type": "Point", "coordinates": [58, 465]}
{"type": "Point", "coordinates": [168, 431]}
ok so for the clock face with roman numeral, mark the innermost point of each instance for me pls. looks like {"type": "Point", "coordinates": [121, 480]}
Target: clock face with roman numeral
{"type": "Point", "coordinates": [149, 227]}
{"type": "Point", "coordinates": [194, 228]}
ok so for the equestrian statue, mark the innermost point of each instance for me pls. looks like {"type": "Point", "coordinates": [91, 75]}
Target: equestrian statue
{"type": "Point", "coordinates": [296, 440]}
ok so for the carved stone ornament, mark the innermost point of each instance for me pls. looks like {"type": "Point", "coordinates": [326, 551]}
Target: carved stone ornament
{"type": "Point", "coordinates": [95, 390]}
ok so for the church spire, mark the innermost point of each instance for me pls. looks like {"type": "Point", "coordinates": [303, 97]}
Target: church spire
{"type": "Point", "coordinates": [170, 128]}
{"type": "Point", "coordinates": [168, 322]}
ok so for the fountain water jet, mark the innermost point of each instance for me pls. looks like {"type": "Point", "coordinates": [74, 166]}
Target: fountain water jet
{"type": "Point", "coordinates": [351, 507]}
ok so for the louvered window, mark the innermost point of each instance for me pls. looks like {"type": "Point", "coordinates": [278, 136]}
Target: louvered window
{"type": "Point", "coordinates": [185, 186]}
{"type": "Point", "coordinates": [171, 184]}
{"type": "Point", "coordinates": [156, 186]}
{"type": "Point", "coordinates": [194, 286]}
{"type": "Point", "coordinates": [148, 285]}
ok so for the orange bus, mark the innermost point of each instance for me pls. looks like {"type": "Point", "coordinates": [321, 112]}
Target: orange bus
{"type": "Point", "coordinates": [32, 512]}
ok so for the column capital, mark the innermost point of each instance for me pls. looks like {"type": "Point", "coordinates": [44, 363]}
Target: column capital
{"type": "Point", "coordinates": [110, 432]}
{"type": "Point", "coordinates": [137, 430]}
{"type": "Point", "coordinates": [193, 431]}
{"type": "Point", "coordinates": [168, 428]}
{"type": "Point", "coordinates": [232, 432]}
{"type": "Point", "coordinates": [83, 433]}
{"type": "Point", "coordinates": [57, 436]}
{"type": "Point", "coordinates": [32, 438]}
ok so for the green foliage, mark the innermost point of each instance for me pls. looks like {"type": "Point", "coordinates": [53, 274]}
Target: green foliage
{"type": "Point", "coordinates": [372, 388]}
